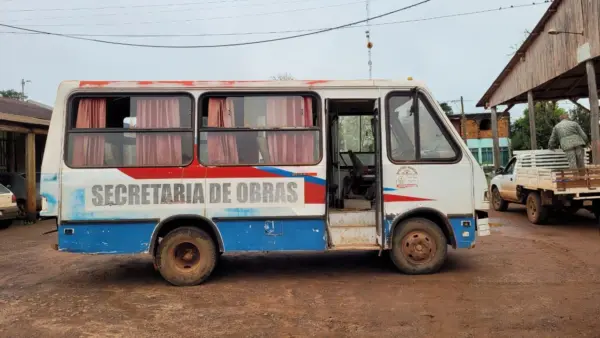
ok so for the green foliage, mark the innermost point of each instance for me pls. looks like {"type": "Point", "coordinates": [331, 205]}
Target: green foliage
{"type": "Point", "coordinates": [12, 94]}
{"type": "Point", "coordinates": [446, 107]}
{"type": "Point", "coordinates": [582, 117]}
{"type": "Point", "coordinates": [547, 115]}
{"type": "Point", "coordinates": [356, 134]}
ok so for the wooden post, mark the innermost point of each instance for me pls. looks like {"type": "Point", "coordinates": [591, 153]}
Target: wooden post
{"type": "Point", "coordinates": [532, 135]}
{"type": "Point", "coordinates": [496, 142]}
{"type": "Point", "coordinates": [594, 115]}
{"type": "Point", "coordinates": [10, 149]}
{"type": "Point", "coordinates": [31, 206]}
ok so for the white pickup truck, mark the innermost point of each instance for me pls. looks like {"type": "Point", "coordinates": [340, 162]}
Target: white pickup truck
{"type": "Point", "coordinates": [542, 180]}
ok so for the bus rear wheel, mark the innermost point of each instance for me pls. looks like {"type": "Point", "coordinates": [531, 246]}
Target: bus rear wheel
{"type": "Point", "coordinates": [186, 256]}
{"type": "Point", "coordinates": [418, 247]}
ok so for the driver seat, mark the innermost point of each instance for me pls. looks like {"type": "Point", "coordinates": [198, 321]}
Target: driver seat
{"type": "Point", "coordinates": [361, 179]}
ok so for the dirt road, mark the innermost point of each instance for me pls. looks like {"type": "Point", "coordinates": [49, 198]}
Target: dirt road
{"type": "Point", "coordinates": [523, 280]}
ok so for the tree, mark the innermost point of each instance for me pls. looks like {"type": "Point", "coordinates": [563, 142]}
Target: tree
{"type": "Point", "coordinates": [283, 77]}
{"type": "Point", "coordinates": [582, 117]}
{"type": "Point", "coordinates": [446, 107]}
{"type": "Point", "coordinates": [547, 115]}
{"type": "Point", "coordinates": [13, 94]}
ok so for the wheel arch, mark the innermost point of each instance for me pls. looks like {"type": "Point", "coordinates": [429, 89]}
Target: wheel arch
{"type": "Point", "coordinates": [436, 216]}
{"type": "Point", "coordinates": [170, 223]}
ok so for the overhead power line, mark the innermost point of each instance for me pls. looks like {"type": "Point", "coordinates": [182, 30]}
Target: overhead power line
{"type": "Point", "coordinates": [192, 3]}
{"type": "Point", "coordinates": [20, 21]}
{"type": "Point", "coordinates": [287, 31]}
{"type": "Point", "coordinates": [222, 45]}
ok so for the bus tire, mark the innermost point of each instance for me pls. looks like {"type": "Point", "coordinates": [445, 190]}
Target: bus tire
{"type": "Point", "coordinates": [536, 212]}
{"type": "Point", "coordinates": [497, 202]}
{"type": "Point", "coordinates": [186, 256]}
{"type": "Point", "coordinates": [419, 247]}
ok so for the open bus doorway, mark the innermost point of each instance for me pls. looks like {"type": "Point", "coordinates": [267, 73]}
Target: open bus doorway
{"type": "Point", "coordinates": [352, 175]}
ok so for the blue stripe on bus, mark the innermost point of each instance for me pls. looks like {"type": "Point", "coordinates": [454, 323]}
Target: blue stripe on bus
{"type": "Point", "coordinates": [464, 235]}
{"type": "Point", "coordinates": [276, 235]}
{"type": "Point", "coordinates": [308, 179]}
{"type": "Point", "coordinates": [237, 235]}
{"type": "Point", "coordinates": [464, 231]}
{"type": "Point", "coordinates": [109, 238]}
{"type": "Point", "coordinates": [285, 173]}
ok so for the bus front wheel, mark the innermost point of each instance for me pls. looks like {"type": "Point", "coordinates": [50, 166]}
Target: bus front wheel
{"type": "Point", "coordinates": [418, 246]}
{"type": "Point", "coordinates": [186, 256]}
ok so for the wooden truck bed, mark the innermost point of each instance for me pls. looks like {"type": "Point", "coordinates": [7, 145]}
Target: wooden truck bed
{"type": "Point", "coordinates": [549, 170]}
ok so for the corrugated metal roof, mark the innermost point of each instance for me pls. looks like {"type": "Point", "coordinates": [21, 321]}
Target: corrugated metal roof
{"type": "Point", "coordinates": [20, 108]}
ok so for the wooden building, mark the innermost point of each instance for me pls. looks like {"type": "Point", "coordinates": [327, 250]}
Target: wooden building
{"type": "Point", "coordinates": [478, 136]}
{"type": "Point", "coordinates": [559, 60]}
{"type": "Point", "coordinates": [23, 130]}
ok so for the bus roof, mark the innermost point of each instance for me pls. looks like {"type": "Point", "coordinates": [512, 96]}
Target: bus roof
{"type": "Point", "coordinates": [243, 84]}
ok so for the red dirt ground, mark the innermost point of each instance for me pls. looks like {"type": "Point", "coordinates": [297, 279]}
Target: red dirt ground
{"type": "Point", "coordinates": [522, 281]}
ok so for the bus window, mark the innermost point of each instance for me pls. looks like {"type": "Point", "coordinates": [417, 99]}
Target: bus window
{"type": "Point", "coordinates": [129, 131]}
{"type": "Point", "coordinates": [356, 135]}
{"type": "Point", "coordinates": [260, 130]}
{"type": "Point", "coordinates": [434, 143]}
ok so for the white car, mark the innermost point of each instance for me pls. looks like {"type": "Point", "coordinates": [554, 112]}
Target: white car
{"type": "Point", "coordinates": [8, 207]}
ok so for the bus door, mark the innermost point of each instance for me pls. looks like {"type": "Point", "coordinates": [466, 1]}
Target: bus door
{"type": "Point", "coordinates": [376, 127]}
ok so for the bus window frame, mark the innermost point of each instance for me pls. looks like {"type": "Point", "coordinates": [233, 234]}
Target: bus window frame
{"type": "Point", "coordinates": [82, 94]}
{"type": "Point", "coordinates": [436, 118]}
{"type": "Point", "coordinates": [317, 105]}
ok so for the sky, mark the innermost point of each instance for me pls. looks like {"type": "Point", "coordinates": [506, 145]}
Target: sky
{"type": "Point", "coordinates": [458, 56]}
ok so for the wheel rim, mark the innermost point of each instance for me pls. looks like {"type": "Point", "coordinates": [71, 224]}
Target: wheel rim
{"type": "Point", "coordinates": [496, 197]}
{"type": "Point", "coordinates": [418, 247]}
{"type": "Point", "coordinates": [186, 256]}
{"type": "Point", "coordinates": [531, 207]}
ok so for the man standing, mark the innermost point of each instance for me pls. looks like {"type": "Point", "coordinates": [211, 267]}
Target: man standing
{"type": "Point", "coordinates": [570, 137]}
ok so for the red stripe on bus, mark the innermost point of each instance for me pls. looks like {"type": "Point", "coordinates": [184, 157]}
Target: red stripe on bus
{"type": "Point", "coordinates": [400, 198]}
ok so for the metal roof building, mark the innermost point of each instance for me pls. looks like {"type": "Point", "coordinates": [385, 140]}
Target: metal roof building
{"type": "Point", "coordinates": [559, 60]}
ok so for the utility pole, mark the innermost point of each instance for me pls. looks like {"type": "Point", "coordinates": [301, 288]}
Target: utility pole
{"type": "Point", "coordinates": [369, 43]}
{"type": "Point", "coordinates": [23, 82]}
{"type": "Point", "coordinates": [463, 119]}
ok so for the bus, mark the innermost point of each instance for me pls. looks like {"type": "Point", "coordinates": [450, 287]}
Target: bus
{"type": "Point", "coordinates": [188, 170]}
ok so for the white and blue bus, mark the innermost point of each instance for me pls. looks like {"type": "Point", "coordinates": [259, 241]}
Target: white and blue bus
{"type": "Point", "coordinates": [188, 170]}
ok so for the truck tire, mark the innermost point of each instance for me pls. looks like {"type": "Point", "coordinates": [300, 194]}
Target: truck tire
{"type": "Point", "coordinates": [536, 212]}
{"type": "Point", "coordinates": [418, 247]}
{"type": "Point", "coordinates": [186, 256]}
{"type": "Point", "coordinates": [497, 202]}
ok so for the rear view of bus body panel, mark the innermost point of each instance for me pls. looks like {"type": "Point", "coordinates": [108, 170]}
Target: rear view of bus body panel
{"type": "Point", "coordinates": [50, 178]}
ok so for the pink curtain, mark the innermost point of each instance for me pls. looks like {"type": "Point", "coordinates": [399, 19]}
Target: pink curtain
{"type": "Point", "coordinates": [290, 147]}
{"type": "Point", "coordinates": [88, 150]}
{"type": "Point", "coordinates": [158, 150]}
{"type": "Point", "coordinates": [222, 146]}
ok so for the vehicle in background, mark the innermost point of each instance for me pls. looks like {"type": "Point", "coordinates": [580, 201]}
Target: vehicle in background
{"type": "Point", "coordinates": [17, 183]}
{"type": "Point", "coordinates": [8, 207]}
{"type": "Point", "coordinates": [542, 181]}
